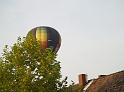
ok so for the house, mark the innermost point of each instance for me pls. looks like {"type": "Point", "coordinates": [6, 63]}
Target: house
{"type": "Point", "coordinates": [104, 83]}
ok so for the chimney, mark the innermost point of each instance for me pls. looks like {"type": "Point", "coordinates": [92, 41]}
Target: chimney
{"type": "Point", "coordinates": [82, 79]}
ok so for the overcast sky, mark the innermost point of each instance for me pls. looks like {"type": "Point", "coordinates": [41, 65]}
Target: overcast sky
{"type": "Point", "coordinates": [92, 31]}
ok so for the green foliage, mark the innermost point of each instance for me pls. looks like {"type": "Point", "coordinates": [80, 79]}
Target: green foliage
{"type": "Point", "coordinates": [28, 68]}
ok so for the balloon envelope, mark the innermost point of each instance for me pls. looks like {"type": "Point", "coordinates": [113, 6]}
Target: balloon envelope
{"type": "Point", "coordinates": [47, 36]}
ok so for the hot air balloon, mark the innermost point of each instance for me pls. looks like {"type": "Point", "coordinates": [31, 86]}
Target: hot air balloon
{"type": "Point", "coordinates": [48, 37]}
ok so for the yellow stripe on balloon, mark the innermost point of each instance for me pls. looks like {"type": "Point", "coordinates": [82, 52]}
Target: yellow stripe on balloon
{"type": "Point", "coordinates": [41, 35]}
{"type": "Point", "coordinates": [38, 35]}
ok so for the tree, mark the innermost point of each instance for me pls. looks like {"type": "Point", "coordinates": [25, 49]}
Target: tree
{"type": "Point", "coordinates": [25, 67]}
